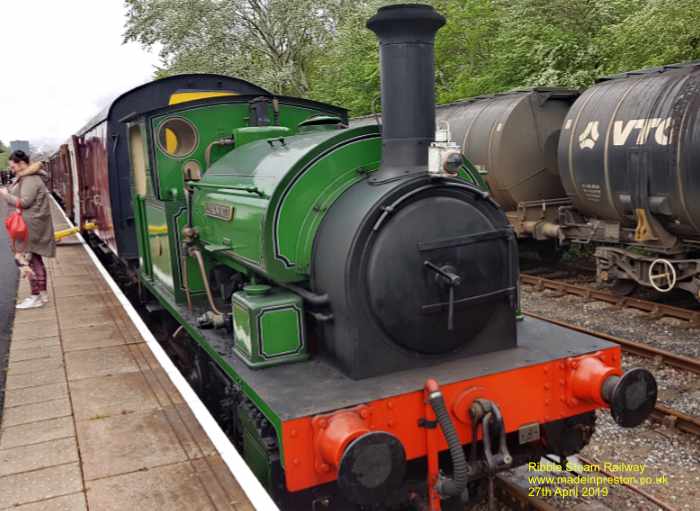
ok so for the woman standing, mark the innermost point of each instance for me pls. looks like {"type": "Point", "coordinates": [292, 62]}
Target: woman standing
{"type": "Point", "coordinates": [29, 193]}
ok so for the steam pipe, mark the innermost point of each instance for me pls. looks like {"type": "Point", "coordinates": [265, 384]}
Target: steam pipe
{"type": "Point", "coordinates": [210, 297]}
{"type": "Point", "coordinates": [307, 296]}
{"type": "Point", "coordinates": [186, 280]}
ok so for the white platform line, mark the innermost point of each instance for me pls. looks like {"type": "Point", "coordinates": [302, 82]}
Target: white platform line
{"type": "Point", "coordinates": [255, 492]}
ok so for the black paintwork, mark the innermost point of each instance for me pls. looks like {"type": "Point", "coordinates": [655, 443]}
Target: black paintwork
{"type": "Point", "coordinates": [315, 386]}
{"type": "Point", "coordinates": [632, 398]}
{"type": "Point", "coordinates": [406, 34]}
{"type": "Point", "coordinates": [391, 311]}
{"type": "Point", "coordinates": [372, 468]}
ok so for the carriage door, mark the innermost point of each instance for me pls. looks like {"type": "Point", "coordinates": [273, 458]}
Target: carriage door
{"type": "Point", "coordinates": [142, 190]}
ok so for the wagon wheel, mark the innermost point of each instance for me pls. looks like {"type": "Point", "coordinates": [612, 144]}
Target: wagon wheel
{"type": "Point", "coordinates": [623, 287]}
{"type": "Point", "coordinates": [662, 275]}
{"type": "Point", "coordinates": [549, 253]}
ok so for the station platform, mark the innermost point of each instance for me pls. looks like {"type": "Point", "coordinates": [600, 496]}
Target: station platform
{"type": "Point", "coordinates": [92, 420]}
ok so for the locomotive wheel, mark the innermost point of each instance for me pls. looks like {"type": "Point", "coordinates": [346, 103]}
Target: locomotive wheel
{"type": "Point", "coordinates": [197, 376]}
{"type": "Point", "coordinates": [549, 253]}
{"type": "Point", "coordinates": [623, 287]}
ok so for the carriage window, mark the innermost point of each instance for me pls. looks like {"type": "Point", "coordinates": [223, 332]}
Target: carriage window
{"type": "Point", "coordinates": [138, 160]}
{"type": "Point", "coordinates": [177, 137]}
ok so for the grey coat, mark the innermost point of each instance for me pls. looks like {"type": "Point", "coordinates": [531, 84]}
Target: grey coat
{"type": "Point", "coordinates": [34, 200]}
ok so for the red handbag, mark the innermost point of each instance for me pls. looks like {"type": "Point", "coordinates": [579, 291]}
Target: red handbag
{"type": "Point", "coordinates": [16, 226]}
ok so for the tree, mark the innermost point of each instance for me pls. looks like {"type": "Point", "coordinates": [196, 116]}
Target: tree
{"type": "Point", "coordinates": [347, 72]}
{"type": "Point", "coordinates": [4, 156]}
{"type": "Point", "coordinates": [269, 42]}
{"type": "Point", "coordinates": [553, 42]}
{"type": "Point", "coordinates": [659, 32]}
{"type": "Point", "coordinates": [321, 48]}
{"type": "Point", "coordinates": [465, 46]}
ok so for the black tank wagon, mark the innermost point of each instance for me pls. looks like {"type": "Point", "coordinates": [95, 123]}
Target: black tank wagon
{"type": "Point", "coordinates": [627, 158]}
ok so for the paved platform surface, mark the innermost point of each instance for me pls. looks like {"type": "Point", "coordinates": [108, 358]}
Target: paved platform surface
{"type": "Point", "coordinates": [91, 421]}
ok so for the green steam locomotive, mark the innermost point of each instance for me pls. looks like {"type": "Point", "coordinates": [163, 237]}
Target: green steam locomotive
{"type": "Point", "coordinates": [351, 293]}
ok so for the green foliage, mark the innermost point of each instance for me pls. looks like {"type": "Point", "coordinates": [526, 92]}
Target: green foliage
{"type": "Point", "coordinates": [347, 72]}
{"type": "Point", "coordinates": [321, 48]}
{"type": "Point", "coordinates": [4, 155]}
{"type": "Point", "coordinates": [464, 45]}
{"type": "Point", "coordinates": [269, 42]}
{"type": "Point", "coordinates": [663, 32]}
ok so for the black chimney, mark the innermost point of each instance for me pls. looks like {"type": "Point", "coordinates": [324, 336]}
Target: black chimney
{"type": "Point", "coordinates": [406, 35]}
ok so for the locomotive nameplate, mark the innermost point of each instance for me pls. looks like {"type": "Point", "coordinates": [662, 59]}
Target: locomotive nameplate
{"type": "Point", "coordinates": [219, 211]}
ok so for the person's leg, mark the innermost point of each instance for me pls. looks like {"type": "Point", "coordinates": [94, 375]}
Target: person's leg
{"type": "Point", "coordinates": [37, 282]}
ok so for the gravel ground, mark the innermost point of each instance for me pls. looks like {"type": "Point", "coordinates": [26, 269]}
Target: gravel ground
{"type": "Point", "coordinates": [663, 450]}
{"type": "Point", "coordinates": [678, 389]}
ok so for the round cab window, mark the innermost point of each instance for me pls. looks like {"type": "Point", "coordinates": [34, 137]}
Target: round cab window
{"type": "Point", "coordinates": [177, 137]}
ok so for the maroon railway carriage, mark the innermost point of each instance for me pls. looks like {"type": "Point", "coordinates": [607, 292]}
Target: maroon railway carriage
{"type": "Point", "coordinates": [62, 179]}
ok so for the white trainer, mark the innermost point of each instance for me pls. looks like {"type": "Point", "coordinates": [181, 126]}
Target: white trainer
{"type": "Point", "coordinates": [31, 302]}
{"type": "Point", "coordinates": [44, 295]}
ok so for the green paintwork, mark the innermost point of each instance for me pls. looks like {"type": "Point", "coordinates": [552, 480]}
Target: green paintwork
{"type": "Point", "coordinates": [164, 264]}
{"type": "Point", "coordinates": [164, 207]}
{"type": "Point", "coordinates": [268, 326]}
{"type": "Point", "coordinates": [160, 213]}
{"type": "Point", "coordinates": [212, 122]}
{"type": "Point", "coordinates": [247, 135]}
{"type": "Point", "coordinates": [471, 174]}
{"type": "Point", "coordinates": [176, 310]}
{"type": "Point", "coordinates": [319, 122]}
{"type": "Point", "coordinates": [254, 451]}
{"type": "Point", "coordinates": [139, 200]}
{"type": "Point", "coordinates": [242, 232]}
{"type": "Point", "coordinates": [280, 193]}
{"type": "Point", "coordinates": [140, 219]}
{"type": "Point", "coordinates": [159, 243]}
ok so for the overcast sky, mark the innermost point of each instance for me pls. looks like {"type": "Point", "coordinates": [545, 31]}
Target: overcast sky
{"type": "Point", "coordinates": [62, 61]}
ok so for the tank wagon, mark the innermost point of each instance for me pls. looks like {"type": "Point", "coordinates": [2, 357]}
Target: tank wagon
{"type": "Point", "coordinates": [626, 159]}
{"type": "Point", "coordinates": [610, 166]}
{"type": "Point", "coordinates": [350, 294]}
{"type": "Point", "coordinates": [512, 139]}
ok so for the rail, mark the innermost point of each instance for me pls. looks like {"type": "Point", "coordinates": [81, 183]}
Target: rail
{"type": "Point", "coordinates": [635, 348]}
{"type": "Point", "coordinates": [656, 310]}
{"type": "Point", "coordinates": [661, 413]}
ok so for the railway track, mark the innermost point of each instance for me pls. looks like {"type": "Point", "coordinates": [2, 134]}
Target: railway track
{"type": "Point", "coordinates": [518, 497]}
{"type": "Point", "coordinates": [653, 309]}
{"type": "Point", "coordinates": [632, 347]}
{"type": "Point", "coordinates": [661, 413]}
{"type": "Point", "coordinates": [679, 420]}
